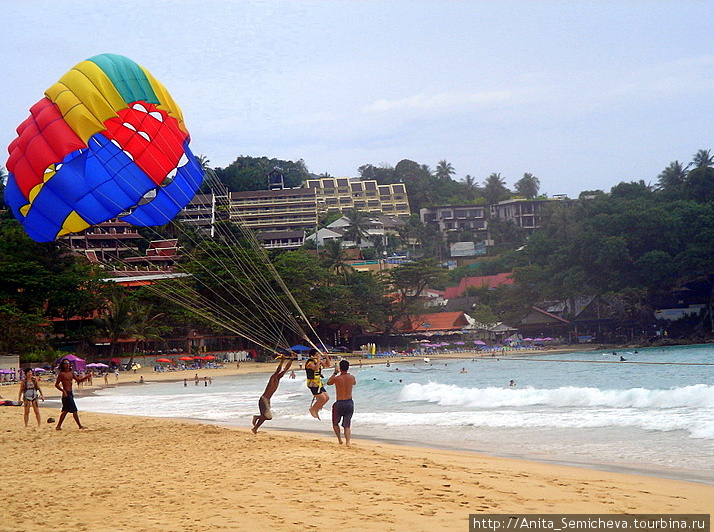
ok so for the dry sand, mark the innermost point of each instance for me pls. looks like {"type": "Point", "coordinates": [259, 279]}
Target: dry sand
{"type": "Point", "coordinates": [127, 473]}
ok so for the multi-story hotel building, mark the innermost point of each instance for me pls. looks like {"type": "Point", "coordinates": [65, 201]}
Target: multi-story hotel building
{"type": "Point", "coordinates": [279, 218]}
{"type": "Point", "coordinates": [340, 194]}
{"type": "Point", "coordinates": [457, 218]}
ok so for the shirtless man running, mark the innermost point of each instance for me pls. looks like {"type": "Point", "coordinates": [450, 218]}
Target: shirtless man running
{"type": "Point", "coordinates": [343, 407]}
{"type": "Point", "coordinates": [264, 401]}
{"type": "Point", "coordinates": [64, 385]}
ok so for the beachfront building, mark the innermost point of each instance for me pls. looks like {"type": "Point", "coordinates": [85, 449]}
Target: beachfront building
{"type": "Point", "coordinates": [341, 194]}
{"type": "Point", "coordinates": [110, 240]}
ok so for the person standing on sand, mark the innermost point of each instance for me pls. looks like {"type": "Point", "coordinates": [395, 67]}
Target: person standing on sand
{"type": "Point", "coordinates": [64, 385]}
{"type": "Point", "coordinates": [29, 394]}
{"type": "Point", "coordinates": [264, 401]}
{"type": "Point", "coordinates": [313, 372]}
{"type": "Point", "coordinates": [344, 406]}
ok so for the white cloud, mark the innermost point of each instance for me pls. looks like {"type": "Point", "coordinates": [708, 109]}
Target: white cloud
{"type": "Point", "coordinates": [443, 101]}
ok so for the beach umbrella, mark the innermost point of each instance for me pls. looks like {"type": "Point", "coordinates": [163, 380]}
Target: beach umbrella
{"type": "Point", "coordinates": [166, 360]}
{"type": "Point", "coordinates": [39, 370]}
{"type": "Point", "coordinates": [196, 358]}
{"type": "Point", "coordinates": [185, 358]}
{"type": "Point", "coordinates": [459, 343]}
{"type": "Point", "coordinates": [209, 357]}
{"type": "Point", "coordinates": [298, 348]}
{"type": "Point", "coordinates": [479, 342]}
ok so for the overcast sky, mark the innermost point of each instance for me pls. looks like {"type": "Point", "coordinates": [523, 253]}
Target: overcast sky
{"type": "Point", "coordinates": [581, 94]}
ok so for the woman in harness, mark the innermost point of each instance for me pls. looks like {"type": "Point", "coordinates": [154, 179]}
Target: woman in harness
{"type": "Point", "coordinates": [29, 394]}
{"type": "Point", "coordinates": [313, 372]}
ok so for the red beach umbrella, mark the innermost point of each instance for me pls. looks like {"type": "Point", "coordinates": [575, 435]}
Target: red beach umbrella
{"type": "Point", "coordinates": [163, 360]}
{"type": "Point", "coordinates": [209, 357]}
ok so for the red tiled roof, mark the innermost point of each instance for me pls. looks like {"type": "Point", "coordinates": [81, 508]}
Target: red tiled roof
{"type": "Point", "coordinates": [485, 281]}
{"type": "Point", "coordinates": [440, 321]}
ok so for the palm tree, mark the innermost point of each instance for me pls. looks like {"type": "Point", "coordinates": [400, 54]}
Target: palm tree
{"type": "Point", "coordinates": [204, 162]}
{"type": "Point", "coordinates": [444, 170]}
{"type": "Point", "coordinates": [335, 258]}
{"type": "Point", "coordinates": [358, 224]}
{"type": "Point", "coordinates": [145, 326]}
{"type": "Point", "coordinates": [672, 178]}
{"type": "Point", "coordinates": [116, 321]}
{"type": "Point", "coordinates": [703, 159]}
{"type": "Point", "coordinates": [471, 187]}
{"type": "Point", "coordinates": [494, 188]}
{"type": "Point", "coordinates": [528, 186]}
{"type": "Point", "coordinates": [3, 179]}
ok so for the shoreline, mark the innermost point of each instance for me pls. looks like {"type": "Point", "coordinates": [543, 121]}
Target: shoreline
{"type": "Point", "coordinates": [251, 367]}
{"type": "Point", "coordinates": [128, 473]}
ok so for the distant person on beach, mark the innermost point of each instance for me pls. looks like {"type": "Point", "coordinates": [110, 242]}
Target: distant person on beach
{"type": "Point", "coordinates": [512, 383]}
{"type": "Point", "coordinates": [64, 385]}
{"type": "Point", "coordinates": [313, 372]}
{"type": "Point", "coordinates": [264, 401]}
{"type": "Point", "coordinates": [344, 406]}
{"type": "Point", "coordinates": [29, 394]}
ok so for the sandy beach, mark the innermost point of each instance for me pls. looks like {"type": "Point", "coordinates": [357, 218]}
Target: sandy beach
{"type": "Point", "coordinates": [127, 473]}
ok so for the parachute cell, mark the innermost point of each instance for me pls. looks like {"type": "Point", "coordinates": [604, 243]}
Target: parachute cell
{"type": "Point", "coordinates": [106, 140]}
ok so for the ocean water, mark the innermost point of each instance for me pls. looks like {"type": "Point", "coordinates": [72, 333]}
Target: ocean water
{"type": "Point", "coordinates": [653, 413]}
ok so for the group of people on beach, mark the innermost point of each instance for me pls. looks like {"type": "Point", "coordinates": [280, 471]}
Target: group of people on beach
{"type": "Point", "coordinates": [30, 393]}
{"type": "Point", "coordinates": [342, 379]}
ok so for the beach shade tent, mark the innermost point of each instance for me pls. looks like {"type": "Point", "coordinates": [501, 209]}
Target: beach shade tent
{"type": "Point", "coordinates": [79, 364]}
{"type": "Point", "coordinates": [298, 348]}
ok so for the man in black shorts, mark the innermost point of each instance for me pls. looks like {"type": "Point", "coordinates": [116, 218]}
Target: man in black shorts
{"type": "Point", "coordinates": [264, 401]}
{"type": "Point", "coordinates": [344, 407]}
{"type": "Point", "coordinates": [64, 385]}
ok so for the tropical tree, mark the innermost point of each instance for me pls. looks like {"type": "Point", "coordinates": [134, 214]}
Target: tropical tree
{"type": "Point", "coordinates": [335, 258]}
{"type": "Point", "coordinates": [528, 186]}
{"type": "Point", "coordinates": [703, 159]}
{"type": "Point", "coordinates": [408, 282]}
{"type": "Point", "coordinates": [358, 225]}
{"type": "Point", "coordinates": [3, 179]}
{"type": "Point", "coordinates": [146, 326]}
{"type": "Point", "coordinates": [204, 162]}
{"type": "Point", "coordinates": [116, 320]}
{"type": "Point", "coordinates": [471, 187]}
{"type": "Point", "coordinates": [494, 188]}
{"type": "Point", "coordinates": [444, 170]}
{"type": "Point", "coordinates": [672, 179]}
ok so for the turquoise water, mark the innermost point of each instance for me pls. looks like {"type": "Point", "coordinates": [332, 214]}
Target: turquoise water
{"type": "Point", "coordinates": [653, 413]}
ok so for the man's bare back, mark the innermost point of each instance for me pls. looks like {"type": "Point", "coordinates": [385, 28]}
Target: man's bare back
{"type": "Point", "coordinates": [344, 382]}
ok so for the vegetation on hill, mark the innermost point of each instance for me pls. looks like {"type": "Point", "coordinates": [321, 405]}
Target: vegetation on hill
{"type": "Point", "coordinates": [640, 246]}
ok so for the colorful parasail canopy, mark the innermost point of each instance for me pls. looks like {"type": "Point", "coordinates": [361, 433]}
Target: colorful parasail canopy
{"type": "Point", "coordinates": [107, 140]}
